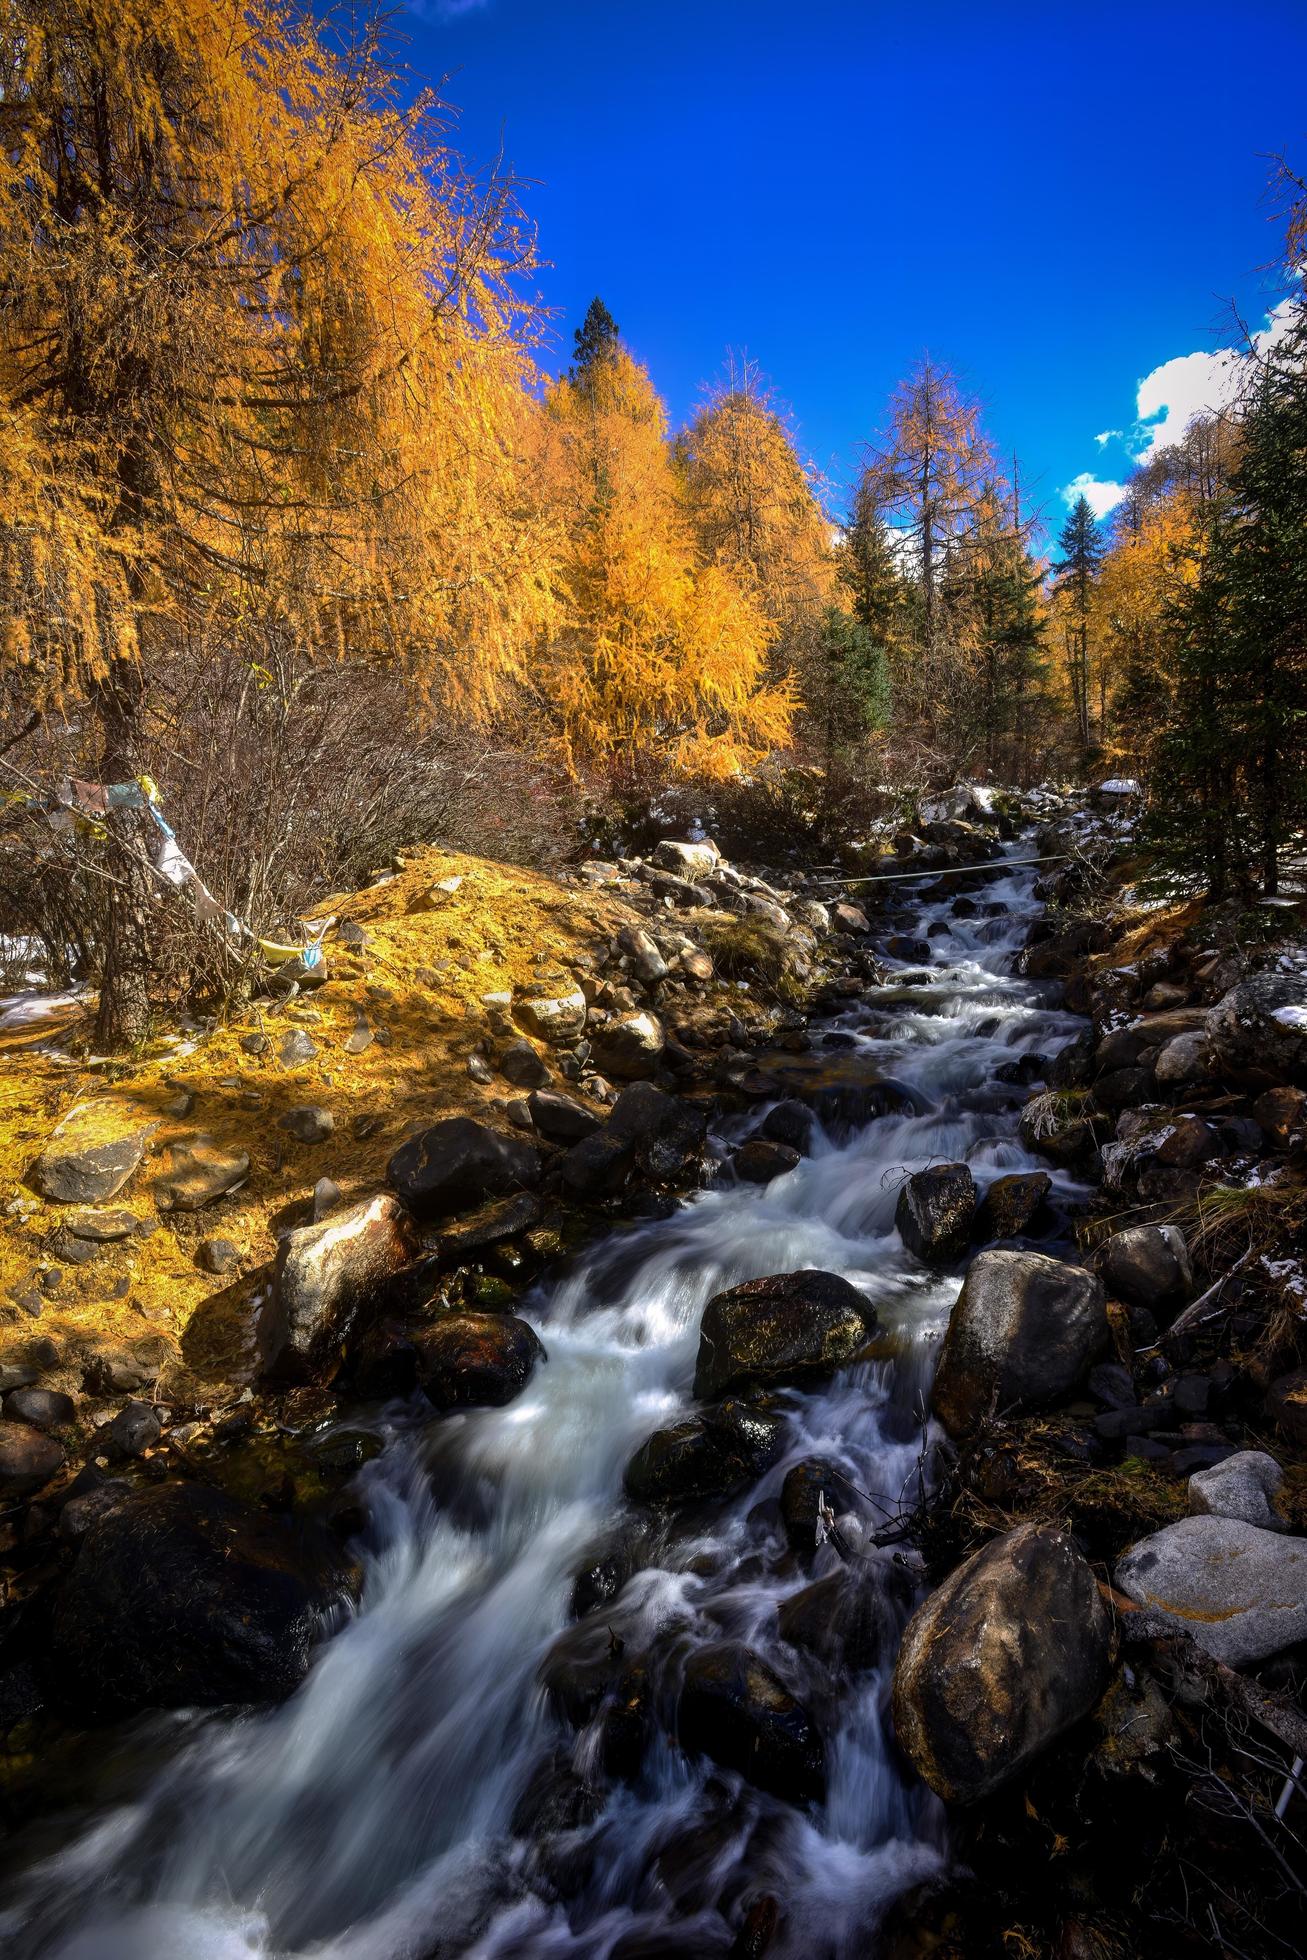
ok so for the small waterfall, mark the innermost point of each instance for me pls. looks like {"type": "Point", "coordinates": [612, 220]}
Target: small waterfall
{"type": "Point", "coordinates": [373, 1816]}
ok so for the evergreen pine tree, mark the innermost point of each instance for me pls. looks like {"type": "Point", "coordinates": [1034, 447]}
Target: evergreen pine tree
{"type": "Point", "coordinates": [1083, 550]}
{"type": "Point", "coordinates": [595, 340]}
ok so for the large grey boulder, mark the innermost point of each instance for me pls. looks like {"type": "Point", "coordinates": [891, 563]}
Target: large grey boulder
{"type": "Point", "coordinates": [935, 1212]}
{"type": "Point", "coordinates": [1243, 1486]}
{"type": "Point", "coordinates": [1240, 1591]}
{"type": "Point", "coordinates": [1261, 1025]}
{"type": "Point", "coordinates": [93, 1152]}
{"type": "Point", "coordinates": [457, 1163]}
{"type": "Point", "coordinates": [672, 855]}
{"type": "Point", "coordinates": [1010, 1652]}
{"type": "Point", "coordinates": [330, 1276]}
{"type": "Point", "coordinates": [1184, 1059]}
{"type": "Point", "coordinates": [1147, 1266]}
{"type": "Point", "coordinates": [1023, 1331]}
{"type": "Point", "coordinates": [788, 1327]}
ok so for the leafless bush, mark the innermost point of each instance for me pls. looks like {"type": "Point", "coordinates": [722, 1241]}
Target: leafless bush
{"type": "Point", "coordinates": [283, 781]}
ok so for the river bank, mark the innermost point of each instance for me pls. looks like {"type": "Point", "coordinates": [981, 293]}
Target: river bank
{"type": "Point", "coordinates": [629, 1608]}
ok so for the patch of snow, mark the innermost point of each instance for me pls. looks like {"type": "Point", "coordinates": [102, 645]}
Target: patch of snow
{"type": "Point", "coordinates": [1291, 1017]}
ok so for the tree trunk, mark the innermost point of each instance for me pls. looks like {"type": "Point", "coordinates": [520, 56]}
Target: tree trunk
{"type": "Point", "coordinates": [124, 1011]}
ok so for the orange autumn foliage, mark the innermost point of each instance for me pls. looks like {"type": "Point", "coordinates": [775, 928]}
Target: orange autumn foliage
{"type": "Point", "coordinates": [655, 653]}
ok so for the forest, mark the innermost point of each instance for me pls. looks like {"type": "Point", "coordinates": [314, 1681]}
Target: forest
{"type": "Point", "coordinates": [286, 472]}
{"type": "Point", "coordinates": [653, 1095]}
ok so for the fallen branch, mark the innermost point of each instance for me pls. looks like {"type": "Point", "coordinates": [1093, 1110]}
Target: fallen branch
{"type": "Point", "coordinates": [1272, 1712]}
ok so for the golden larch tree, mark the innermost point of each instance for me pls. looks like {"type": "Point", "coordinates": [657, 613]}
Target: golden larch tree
{"type": "Point", "coordinates": [259, 354]}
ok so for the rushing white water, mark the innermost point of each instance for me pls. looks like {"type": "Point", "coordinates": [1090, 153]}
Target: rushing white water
{"type": "Point", "coordinates": [372, 1817]}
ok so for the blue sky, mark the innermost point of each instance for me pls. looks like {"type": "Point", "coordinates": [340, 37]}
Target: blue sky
{"type": "Point", "coordinates": [1059, 201]}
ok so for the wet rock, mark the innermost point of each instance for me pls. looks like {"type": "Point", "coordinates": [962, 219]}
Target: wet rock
{"type": "Point", "coordinates": [1023, 1331]}
{"type": "Point", "coordinates": [935, 1212]}
{"type": "Point", "coordinates": [492, 1226]}
{"type": "Point", "coordinates": [330, 1277]}
{"type": "Point", "coordinates": [901, 946]}
{"type": "Point", "coordinates": [607, 1566]}
{"type": "Point", "coordinates": [1286, 1404]}
{"type": "Point", "coordinates": [40, 1408]}
{"type": "Point", "coordinates": [197, 1172]}
{"type": "Point", "coordinates": [848, 919]}
{"type": "Point", "coordinates": [217, 1256]}
{"type": "Point", "coordinates": [561, 1118]}
{"type": "Point", "coordinates": [134, 1430]}
{"type": "Point", "coordinates": [665, 1134]}
{"type": "Point", "coordinates": [28, 1460]}
{"type": "Point", "coordinates": [807, 1484]}
{"type": "Point", "coordinates": [476, 1360]}
{"type": "Point", "coordinates": [553, 1017]}
{"type": "Point", "coordinates": [1147, 1266]}
{"type": "Point", "coordinates": [706, 1456]}
{"type": "Point", "coordinates": [457, 1163]}
{"type": "Point", "coordinates": [736, 1710]}
{"type": "Point", "coordinates": [1260, 1026]}
{"type": "Point", "coordinates": [628, 1046]}
{"type": "Point", "coordinates": [1010, 1652]}
{"type": "Point", "coordinates": [846, 1619]}
{"type": "Point", "coordinates": [183, 1597]}
{"type": "Point", "coordinates": [788, 1327]}
{"type": "Point", "coordinates": [1244, 1486]}
{"type": "Point", "coordinates": [760, 1160]}
{"type": "Point", "coordinates": [92, 1154]}
{"type": "Point", "coordinates": [308, 1123]}
{"type": "Point", "coordinates": [1238, 1590]}
{"type": "Point", "coordinates": [790, 1122]}
{"type": "Point", "coordinates": [1011, 1204]}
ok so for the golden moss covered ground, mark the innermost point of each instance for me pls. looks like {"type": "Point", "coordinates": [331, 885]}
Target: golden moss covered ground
{"type": "Point", "coordinates": [417, 984]}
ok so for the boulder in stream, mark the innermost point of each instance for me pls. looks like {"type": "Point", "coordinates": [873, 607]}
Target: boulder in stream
{"type": "Point", "coordinates": [476, 1360]}
{"type": "Point", "coordinates": [1010, 1652]}
{"type": "Point", "coordinates": [1023, 1331]}
{"type": "Point", "coordinates": [457, 1163]}
{"type": "Point", "coordinates": [707, 1456]}
{"type": "Point", "coordinates": [788, 1327]}
{"type": "Point", "coordinates": [183, 1597]}
{"type": "Point", "coordinates": [735, 1709]}
{"type": "Point", "coordinates": [330, 1276]}
{"type": "Point", "coordinates": [935, 1212]}
{"type": "Point", "coordinates": [1012, 1203]}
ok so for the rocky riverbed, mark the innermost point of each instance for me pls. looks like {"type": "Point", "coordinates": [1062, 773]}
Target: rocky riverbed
{"type": "Point", "coordinates": [781, 1473]}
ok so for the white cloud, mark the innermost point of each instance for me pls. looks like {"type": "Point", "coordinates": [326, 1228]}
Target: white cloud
{"type": "Point", "coordinates": [1166, 401]}
{"type": "Point", "coordinates": [1100, 496]}
{"type": "Point", "coordinates": [1170, 396]}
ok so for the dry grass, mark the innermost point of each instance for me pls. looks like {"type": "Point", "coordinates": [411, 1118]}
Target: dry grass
{"type": "Point", "coordinates": [752, 949]}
